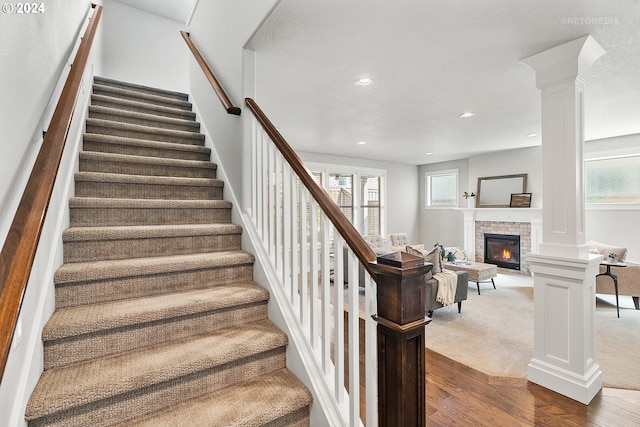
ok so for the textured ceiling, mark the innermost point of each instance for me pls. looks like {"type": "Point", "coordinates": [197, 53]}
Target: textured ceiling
{"type": "Point", "coordinates": [431, 61]}
{"type": "Point", "coordinates": [178, 10]}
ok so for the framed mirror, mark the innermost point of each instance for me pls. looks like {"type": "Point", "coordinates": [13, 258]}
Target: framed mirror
{"type": "Point", "coordinates": [495, 191]}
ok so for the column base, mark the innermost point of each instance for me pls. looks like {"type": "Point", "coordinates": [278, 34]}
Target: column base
{"type": "Point", "coordinates": [579, 388]}
{"type": "Point", "coordinates": [564, 311]}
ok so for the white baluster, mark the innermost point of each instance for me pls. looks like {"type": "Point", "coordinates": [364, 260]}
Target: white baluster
{"type": "Point", "coordinates": [371, 352]}
{"type": "Point", "coordinates": [304, 260]}
{"type": "Point", "coordinates": [314, 269]}
{"type": "Point", "coordinates": [254, 169]}
{"type": "Point", "coordinates": [258, 184]}
{"type": "Point", "coordinates": [338, 317]}
{"type": "Point", "coordinates": [288, 249]}
{"type": "Point", "coordinates": [264, 184]}
{"type": "Point", "coordinates": [295, 244]}
{"type": "Point", "coordinates": [354, 340]}
{"type": "Point", "coordinates": [325, 294]}
{"type": "Point", "coordinates": [271, 220]}
{"type": "Point", "coordinates": [278, 213]}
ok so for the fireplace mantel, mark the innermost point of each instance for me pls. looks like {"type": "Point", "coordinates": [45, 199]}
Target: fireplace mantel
{"type": "Point", "coordinates": [531, 215]}
{"type": "Point", "coordinates": [528, 215]}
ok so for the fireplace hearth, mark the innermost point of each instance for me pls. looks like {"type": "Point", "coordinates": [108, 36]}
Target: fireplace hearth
{"type": "Point", "coordinates": [502, 250]}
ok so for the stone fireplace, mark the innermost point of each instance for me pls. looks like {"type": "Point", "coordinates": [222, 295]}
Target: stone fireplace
{"type": "Point", "coordinates": [521, 230]}
{"type": "Point", "coordinates": [524, 224]}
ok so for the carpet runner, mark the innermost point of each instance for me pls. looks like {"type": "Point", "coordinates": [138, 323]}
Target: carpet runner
{"type": "Point", "coordinates": [157, 320]}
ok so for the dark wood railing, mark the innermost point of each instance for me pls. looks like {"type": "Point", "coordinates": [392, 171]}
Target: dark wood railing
{"type": "Point", "coordinates": [351, 236]}
{"type": "Point", "coordinates": [18, 252]}
{"type": "Point", "coordinates": [217, 87]}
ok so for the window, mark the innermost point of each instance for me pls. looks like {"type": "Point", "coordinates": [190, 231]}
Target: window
{"type": "Point", "coordinates": [358, 193]}
{"type": "Point", "coordinates": [370, 205]}
{"type": "Point", "coordinates": [341, 191]}
{"type": "Point", "coordinates": [613, 180]}
{"type": "Point", "coordinates": [441, 188]}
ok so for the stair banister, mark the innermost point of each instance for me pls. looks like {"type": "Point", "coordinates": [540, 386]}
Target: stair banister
{"type": "Point", "coordinates": [298, 247]}
{"type": "Point", "coordinates": [352, 237]}
{"type": "Point", "coordinates": [19, 249]}
{"type": "Point", "coordinates": [217, 87]}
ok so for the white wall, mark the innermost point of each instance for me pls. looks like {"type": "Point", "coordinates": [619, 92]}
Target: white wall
{"type": "Point", "coordinates": [443, 225]}
{"type": "Point", "coordinates": [143, 48]}
{"type": "Point", "coordinates": [25, 362]}
{"type": "Point", "coordinates": [34, 52]}
{"type": "Point", "coordinates": [220, 29]}
{"type": "Point", "coordinates": [402, 190]}
{"type": "Point", "coordinates": [510, 162]}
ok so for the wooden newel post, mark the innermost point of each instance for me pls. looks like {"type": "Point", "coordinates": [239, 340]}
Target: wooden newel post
{"type": "Point", "coordinates": [401, 339]}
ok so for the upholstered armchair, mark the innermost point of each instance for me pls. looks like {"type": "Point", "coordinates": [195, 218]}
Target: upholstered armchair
{"type": "Point", "coordinates": [376, 243]}
{"type": "Point", "coordinates": [398, 242]}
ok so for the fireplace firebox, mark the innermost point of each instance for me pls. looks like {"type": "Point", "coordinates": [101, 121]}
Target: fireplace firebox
{"type": "Point", "coordinates": [502, 250]}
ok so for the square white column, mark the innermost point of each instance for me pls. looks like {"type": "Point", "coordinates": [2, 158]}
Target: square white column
{"type": "Point", "coordinates": [564, 272]}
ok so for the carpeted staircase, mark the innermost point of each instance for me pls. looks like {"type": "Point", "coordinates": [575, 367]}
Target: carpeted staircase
{"type": "Point", "coordinates": [157, 320]}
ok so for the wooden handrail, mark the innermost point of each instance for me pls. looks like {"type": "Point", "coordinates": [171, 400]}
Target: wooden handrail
{"type": "Point", "coordinates": [19, 249]}
{"type": "Point", "coordinates": [217, 87]}
{"type": "Point", "coordinates": [352, 237]}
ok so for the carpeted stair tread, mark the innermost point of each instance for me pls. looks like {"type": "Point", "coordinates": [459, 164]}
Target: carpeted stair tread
{"type": "Point", "coordinates": [254, 403]}
{"type": "Point", "coordinates": [92, 161]}
{"type": "Point", "coordinates": [82, 244]}
{"type": "Point", "coordinates": [61, 389]}
{"type": "Point", "coordinates": [134, 95]}
{"type": "Point", "coordinates": [147, 148]}
{"type": "Point", "coordinates": [91, 318]}
{"type": "Point", "coordinates": [99, 202]}
{"type": "Point", "coordinates": [144, 119]}
{"type": "Point", "coordinates": [109, 127]}
{"type": "Point", "coordinates": [147, 179]}
{"type": "Point", "coordinates": [143, 107]}
{"type": "Point", "coordinates": [112, 269]}
{"type": "Point", "coordinates": [108, 211]}
{"type": "Point", "coordinates": [141, 88]}
{"type": "Point", "coordinates": [76, 234]}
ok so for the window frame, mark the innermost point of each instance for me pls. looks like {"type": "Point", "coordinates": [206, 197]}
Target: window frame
{"type": "Point", "coordinates": [356, 172]}
{"type": "Point", "coordinates": [427, 188]}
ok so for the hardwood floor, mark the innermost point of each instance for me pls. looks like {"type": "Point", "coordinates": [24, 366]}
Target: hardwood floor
{"type": "Point", "coordinates": [457, 395]}
{"type": "Point", "coordinates": [460, 396]}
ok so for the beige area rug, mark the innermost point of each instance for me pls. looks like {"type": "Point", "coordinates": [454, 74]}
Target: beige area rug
{"type": "Point", "coordinates": [494, 333]}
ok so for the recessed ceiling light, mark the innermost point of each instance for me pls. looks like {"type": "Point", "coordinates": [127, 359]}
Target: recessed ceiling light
{"type": "Point", "coordinates": [362, 143]}
{"type": "Point", "coordinates": [365, 81]}
{"type": "Point", "coordinates": [466, 115]}
{"type": "Point", "coordinates": [428, 154]}
{"type": "Point", "coordinates": [532, 135]}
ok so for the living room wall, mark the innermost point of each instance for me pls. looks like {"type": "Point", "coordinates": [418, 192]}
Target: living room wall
{"type": "Point", "coordinates": [616, 225]}
{"type": "Point", "coordinates": [442, 225]}
{"type": "Point", "coordinates": [445, 225]}
{"type": "Point", "coordinates": [402, 189]}
{"type": "Point", "coordinates": [510, 162]}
